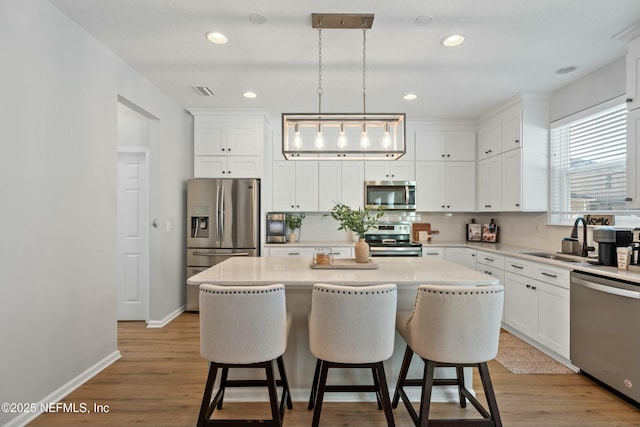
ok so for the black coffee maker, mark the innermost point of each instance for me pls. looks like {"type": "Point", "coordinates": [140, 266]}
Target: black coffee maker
{"type": "Point", "coordinates": [609, 239]}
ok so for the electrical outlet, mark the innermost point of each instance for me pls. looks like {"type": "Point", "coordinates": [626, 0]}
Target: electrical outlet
{"type": "Point", "coordinates": [168, 226]}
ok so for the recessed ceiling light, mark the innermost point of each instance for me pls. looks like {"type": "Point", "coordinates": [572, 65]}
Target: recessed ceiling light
{"type": "Point", "coordinates": [453, 40]}
{"type": "Point", "coordinates": [410, 97]}
{"type": "Point", "coordinates": [566, 70]}
{"type": "Point", "coordinates": [249, 95]}
{"type": "Point", "coordinates": [217, 38]}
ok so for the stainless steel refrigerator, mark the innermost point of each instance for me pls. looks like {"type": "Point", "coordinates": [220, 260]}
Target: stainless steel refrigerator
{"type": "Point", "coordinates": [223, 221]}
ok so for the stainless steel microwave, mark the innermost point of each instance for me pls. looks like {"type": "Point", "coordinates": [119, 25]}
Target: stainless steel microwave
{"type": "Point", "coordinates": [391, 195]}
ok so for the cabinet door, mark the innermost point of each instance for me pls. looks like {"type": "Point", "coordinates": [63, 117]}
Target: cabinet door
{"type": "Point", "coordinates": [460, 181]}
{"type": "Point", "coordinates": [330, 183]}
{"type": "Point", "coordinates": [512, 181]}
{"type": "Point", "coordinates": [430, 178]}
{"type": "Point", "coordinates": [490, 184]}
{"type": "Point", "coordinates": [376, 170]}
{"type": "Point", "coordinates": [490, 139]}
{"type": "Point", "coordinates": [512, 128]}
{"type": "Point", "coordinates": [633, 159]}
{"type": "Point", "coordinates": [552, 329]}
{"type": "Point", "coordinates": [306, 186]}
{"type": "Point", "coordinates": [209, 166]}
{"type": "Point", "coordinates": [430, 145]}
{"type": "Point", "coordinates": [209, 138]}
{"type": "Point", "coordinates": [283, 191]}
{"type": "Point", "coordinates": [633, 74]}
{"type": "Point", "coordinates": [245, 139]}
{"type": "Point", "coordinates": [401, 171]}
{"type": "Point", "coordinates": [460, 146]}
{"type": "Point", "coordinates": [520, 306]}
{"type": "Point", "coordinates": [352, 183]}
{"type": "Point", "coordinates": [244, 167]}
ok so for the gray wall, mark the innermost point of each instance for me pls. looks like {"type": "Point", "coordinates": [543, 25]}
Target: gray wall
{"type": "Point", "coordinates": [58, 144]}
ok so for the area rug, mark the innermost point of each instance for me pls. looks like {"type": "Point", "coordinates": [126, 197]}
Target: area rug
{"type": "Point", "coordinates": [519, 357]}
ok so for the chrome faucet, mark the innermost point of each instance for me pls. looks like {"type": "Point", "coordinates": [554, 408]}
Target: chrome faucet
{"type": "Point", "coordinates": [574, 235]}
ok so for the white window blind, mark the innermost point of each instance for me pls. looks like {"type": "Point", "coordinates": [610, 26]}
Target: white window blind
{"type": "Point", "coordinates": [588, 165]}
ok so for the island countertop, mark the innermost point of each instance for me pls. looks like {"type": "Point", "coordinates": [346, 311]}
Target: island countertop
{"type": "Point", "coordinates": [297, 272]}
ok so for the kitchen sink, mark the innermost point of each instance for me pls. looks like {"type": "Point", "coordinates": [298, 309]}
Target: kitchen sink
{"type": "Point", "coordinates": [557, 257]}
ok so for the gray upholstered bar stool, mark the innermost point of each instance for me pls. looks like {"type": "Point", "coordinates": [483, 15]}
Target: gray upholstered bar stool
{"type": "Point", "coordinates": [352, 327]}
{"type": "Point", "coordinates": [243, 327]}
{"type": "Point", "coordinates": [451, 326]}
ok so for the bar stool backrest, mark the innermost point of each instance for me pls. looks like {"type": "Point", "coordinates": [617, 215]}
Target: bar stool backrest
{"type": "Point", "coordinates": [242, 324]}
{"type": "Point", "coordinates": [352, 324]}
{"type": "Point", "coordinates": [456, 324]}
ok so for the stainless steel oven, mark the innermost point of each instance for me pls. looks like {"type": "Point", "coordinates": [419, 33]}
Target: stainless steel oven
{"type": "Point", "coordinates": [605, 331]}
{"type": "Point", "coordinates": [392, 239]}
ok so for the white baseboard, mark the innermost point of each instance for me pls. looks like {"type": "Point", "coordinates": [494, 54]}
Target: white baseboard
{"type": "Point", "coordinates": [164, 322]}
{"type": "Point", "coordinates": [65, 390]}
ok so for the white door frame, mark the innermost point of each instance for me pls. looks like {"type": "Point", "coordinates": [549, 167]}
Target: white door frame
{"type": "Point", "coordinates": [144, 224]}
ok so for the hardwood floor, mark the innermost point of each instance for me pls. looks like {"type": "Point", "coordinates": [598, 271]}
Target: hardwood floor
{"type": "Point", "coordinates": [160, 378]}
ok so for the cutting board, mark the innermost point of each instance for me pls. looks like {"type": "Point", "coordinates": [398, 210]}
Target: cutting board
{"type": "Point", "coordinates": [417, 227]}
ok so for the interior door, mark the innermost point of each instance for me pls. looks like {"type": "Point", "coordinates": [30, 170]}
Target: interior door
{"type": "Point", "coordinates": [133, 260]}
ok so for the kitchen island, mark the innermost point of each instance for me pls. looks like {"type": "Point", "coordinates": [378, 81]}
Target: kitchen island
{"type": "Point", "coordinates": [298, 277]}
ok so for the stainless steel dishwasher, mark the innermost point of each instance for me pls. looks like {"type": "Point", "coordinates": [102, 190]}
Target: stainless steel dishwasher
{"type": "Point", "coordinates": [605, 331]}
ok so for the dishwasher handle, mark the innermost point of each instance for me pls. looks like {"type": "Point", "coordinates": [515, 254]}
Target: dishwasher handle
{"type": "Point", "coordinates": [606, 289]}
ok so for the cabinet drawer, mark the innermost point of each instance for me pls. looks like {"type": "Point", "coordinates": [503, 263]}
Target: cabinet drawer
{"type": "Point", "coordinates": [554, 275]}
{"type": "Point", "coordinates": [488, 258]}
{"type": "Point", "coordinates": [297, 251]}
{"type": "Point", "coordinates": [432, 252]}
{"type": "Point", "coordinates": [491, 271]}
{"type": "Point", "coordinates": [342, 252]}
{"type": "Point", "coordinates": [518, 266]}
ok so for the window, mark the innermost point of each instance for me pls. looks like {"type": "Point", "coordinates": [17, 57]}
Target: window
{"type": "Point", "coordinates": [588, 164]}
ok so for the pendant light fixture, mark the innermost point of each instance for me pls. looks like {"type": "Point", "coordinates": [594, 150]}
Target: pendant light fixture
{"type": "Point", "coordinates": [331, 136]}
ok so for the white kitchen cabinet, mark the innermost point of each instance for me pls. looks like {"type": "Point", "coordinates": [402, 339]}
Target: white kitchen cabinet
{"type": "Point", "coordinates": [449, 145]}
{"type": "Point", "coordinates": [463, 256]}
{"type": "Point", "coordinates": [633, 75]}
{"type": "Point", "coordinates": [489, 194]}
{"type": "Point", "coordinates": [292, 250]}
{"type": "Point", "coordinates": [490, 138]}
{"type": "Point", "coordinates": [491, 265]}
{"type": "Point", "coordinates": [445, 186]}
{"type": "Point", "coordinates": [512, 181]}
{"type": "Point", "coordinates": [431, 251]}
{"type": "Point", "coordinates": [295, 186]}
{"type": "Point", "coordinates": [340, 181]}
{"type": "Point", "coordinates": [511, 128]}
{"type": "Point", "coordinates": [228, 144]}
{"type": "Point", "coordinates": [537, 303]}
{"type": "Point", "coordinates": [392, 170]}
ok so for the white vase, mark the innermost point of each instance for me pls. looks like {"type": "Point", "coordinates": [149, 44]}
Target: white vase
{"type": "Point", "coordinates": [361, 249]}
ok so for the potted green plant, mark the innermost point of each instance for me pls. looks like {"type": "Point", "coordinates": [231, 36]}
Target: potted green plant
{"type": "Point", "coordinates": [294, 222]}
{"type": "Point", "coordinates": [359, 221]}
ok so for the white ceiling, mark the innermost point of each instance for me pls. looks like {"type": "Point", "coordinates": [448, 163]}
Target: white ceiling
{"type": "Point", "coordinates": [511, 46]}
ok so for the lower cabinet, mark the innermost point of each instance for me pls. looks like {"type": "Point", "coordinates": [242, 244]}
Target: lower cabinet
{"type": "Point", "coordinates": [537, 303]}
{"type": "Point", "coordinates": [463, 256]}
{"type": "Point", "coordinates": [307, 251]}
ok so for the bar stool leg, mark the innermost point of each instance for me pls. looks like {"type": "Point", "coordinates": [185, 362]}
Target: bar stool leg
{"type": "Point", "coordinates": [376, 384]}
{"type": "Point", "coordinates": [273, 394]}
{"type": "Point", "coordinates": [285, 382]}
{"type": "Point", "coordinates": [223, 385]}
{"type": "Point", "coordinates": [205, 411]}
{"type": "Point", "coordinates": [314, 385]}
{"type": "Point", "coordinates": [320, 394]}
{"type": "Point", "coordinates": [402, 376]}
{"type": "Point", "coordinates": [427, 387]}
{"type": "Point", "coordinates": [490, 395]}
{"type": "Point", "coordinates": [384, 393]}
{"type": "Point", "coordinates": [461, 386]}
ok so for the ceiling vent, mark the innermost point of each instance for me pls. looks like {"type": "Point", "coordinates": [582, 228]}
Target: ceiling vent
{"type": "Point", "coordinates": [203, 90]}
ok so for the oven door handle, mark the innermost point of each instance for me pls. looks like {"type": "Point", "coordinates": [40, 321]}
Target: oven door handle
{"type": "Point", "coordinates": [606, 289]}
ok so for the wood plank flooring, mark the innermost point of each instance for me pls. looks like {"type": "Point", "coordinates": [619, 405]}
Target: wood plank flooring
{"type": "Point", "coordinates": [160, 378]}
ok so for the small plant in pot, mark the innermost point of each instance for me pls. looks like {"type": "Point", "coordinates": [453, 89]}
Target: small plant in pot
{"type": "Point", "coordinates": [294, 222]}
{"type": "Point", "coordinates": [359, 221]}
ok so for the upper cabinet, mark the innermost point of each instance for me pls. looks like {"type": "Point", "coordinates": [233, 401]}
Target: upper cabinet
{"type": "Point", "coordinates": [633, 124]}
{"type": "Point", "coordinates": [443, 145]}
{"type": "Point", "coordinates": [518, 136]}
{"type": "Point", "coordinates": [228, 144]}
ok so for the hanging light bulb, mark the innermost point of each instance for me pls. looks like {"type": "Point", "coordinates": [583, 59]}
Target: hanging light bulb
{"type": "Point", "coordinates": [386, 137]}
{"type": "Point", "coordinates": [342, 138]}
{"type": "Point", "coordinates": [297, 142]}
{"type": "Point", "coordinates": [364, 139]}
{"type": "Point", "coordinates": [319, 138]}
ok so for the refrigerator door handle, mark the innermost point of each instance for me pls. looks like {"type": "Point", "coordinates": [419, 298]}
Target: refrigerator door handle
{"type": "Point", "coordinates": [219, 254]}
{"type": "Point", "coordinates": [222, 215]}
{"type": "Point", "coordinates": [218, 203]}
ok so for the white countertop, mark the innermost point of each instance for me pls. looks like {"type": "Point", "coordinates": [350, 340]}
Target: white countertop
{"type": "Point", "coordinates": [297, 272]}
